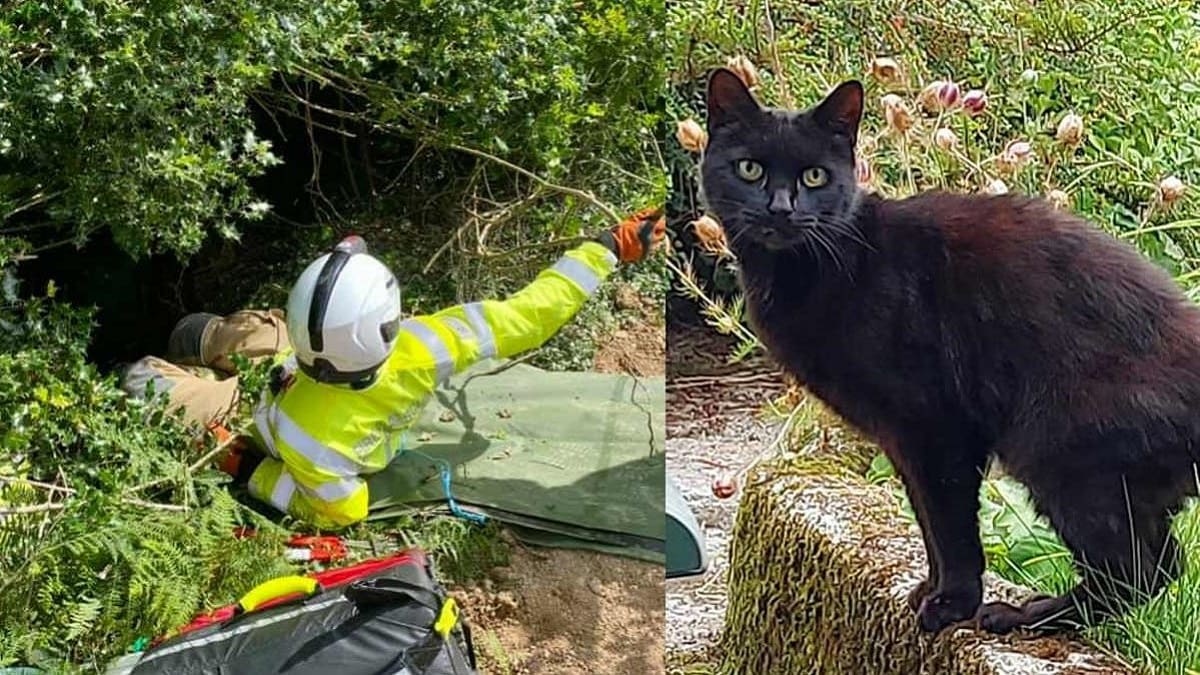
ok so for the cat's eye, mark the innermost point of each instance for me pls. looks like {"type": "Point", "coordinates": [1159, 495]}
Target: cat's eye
{"type": "Point", "coordinates": [814, 177]}
{"type": "Point", "coordinates": [749, 170]}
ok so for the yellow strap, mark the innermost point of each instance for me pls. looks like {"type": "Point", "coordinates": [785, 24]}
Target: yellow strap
{"type": "Point", "coordinates": [277, 588]}
{"type": "Point", "coordinates": [447, 619]}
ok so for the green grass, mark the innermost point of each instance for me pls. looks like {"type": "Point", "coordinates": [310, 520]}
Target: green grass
{"type": "Point", "coordinates": [463, 551]}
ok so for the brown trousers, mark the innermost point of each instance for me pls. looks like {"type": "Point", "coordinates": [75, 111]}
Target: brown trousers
{"type": "Point", "coordinates": [203, 382]}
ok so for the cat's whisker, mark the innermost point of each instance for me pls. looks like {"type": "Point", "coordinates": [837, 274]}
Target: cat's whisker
{"type": "Point", "coordinates": [819, 237]}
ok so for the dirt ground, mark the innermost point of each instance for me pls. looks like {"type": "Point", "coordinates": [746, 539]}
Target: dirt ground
{"type": "Point", "coordinates": [561, 611]}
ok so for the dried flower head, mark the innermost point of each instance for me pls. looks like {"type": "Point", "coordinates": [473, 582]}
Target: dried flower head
{"type": "Point", "coordinates": [945, 139]}
{"type": "Point", "coordinates": [974, 102]}
{"type": "Point", "coordinates": [895, 111]}
{"type": "Point", "coordinates": [691, 135]}
{"type": "Point", "coordinates": [1018, 152]}
{"type": "Point", "coordinates": [710, 234]}
{"type": "Point", "coordinates": [885, 70]}
{"type": "Point", "coordinates": [863, 173]}
{"type": "Point", "coordinates": [1058, 199]}
{"type": "Point", "coordinates": [1170, 189]}
{"type": "Point", "coordinates": [1070, 130]}
{"type": "Point", "coordinates": [743, 68]}
{"type": "Point", "coordinates": [996, 187]}
{"type": "Point", "coordinates": [1015, 155]}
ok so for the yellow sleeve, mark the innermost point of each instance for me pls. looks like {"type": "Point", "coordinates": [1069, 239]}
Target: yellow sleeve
{"type": "Point", "coordinates": [456, 338]}
{"type": "Point", "coordinates": [327, 502]}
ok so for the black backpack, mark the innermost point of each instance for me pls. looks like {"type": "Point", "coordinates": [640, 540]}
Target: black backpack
{"type": "Point", "coordinates": [381, 617]}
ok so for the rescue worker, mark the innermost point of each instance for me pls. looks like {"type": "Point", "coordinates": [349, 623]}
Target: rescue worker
{"type": "Point", "coordinates": [351, 375]}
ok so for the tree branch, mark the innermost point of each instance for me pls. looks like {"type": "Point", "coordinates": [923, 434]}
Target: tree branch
{"type": "Point", "coordinates": [582, 194]}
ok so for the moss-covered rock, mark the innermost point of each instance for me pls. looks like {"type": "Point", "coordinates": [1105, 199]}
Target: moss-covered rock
{"type": "Point", "coordinates": [820, 567]}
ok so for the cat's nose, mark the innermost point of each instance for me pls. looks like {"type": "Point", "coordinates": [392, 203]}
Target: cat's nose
{"type": "Point", "coordinates": [781, 201]}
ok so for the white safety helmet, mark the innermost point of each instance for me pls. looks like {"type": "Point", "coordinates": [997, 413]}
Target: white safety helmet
{"type": "Point", "coordinates": [343, 314]}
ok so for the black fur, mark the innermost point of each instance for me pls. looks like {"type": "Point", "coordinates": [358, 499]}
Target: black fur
{"type": "Point", "coordinates": [956, 328]}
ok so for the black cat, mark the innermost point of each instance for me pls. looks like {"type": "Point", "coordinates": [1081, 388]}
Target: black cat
{"type": "Point", "coordinates": [957, 328]}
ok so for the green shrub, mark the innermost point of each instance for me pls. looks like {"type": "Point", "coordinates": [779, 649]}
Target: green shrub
{"type": "Point", "coordinates": [483, 134]}
{"type": "Point", "coordinates": [85, 573]}
{"type": "Point", "coordinates": [138, 119]}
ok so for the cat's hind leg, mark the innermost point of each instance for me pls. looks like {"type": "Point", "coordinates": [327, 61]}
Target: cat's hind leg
{"type": "Point", "coordinates": [1123, 548]}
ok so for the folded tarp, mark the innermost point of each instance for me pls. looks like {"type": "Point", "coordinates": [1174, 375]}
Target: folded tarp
{"type": "Point", "coordinates": [568, 459]}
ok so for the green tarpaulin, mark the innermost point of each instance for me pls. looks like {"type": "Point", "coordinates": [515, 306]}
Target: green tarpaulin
{"type": "Point", "coordinates": [566, 459]}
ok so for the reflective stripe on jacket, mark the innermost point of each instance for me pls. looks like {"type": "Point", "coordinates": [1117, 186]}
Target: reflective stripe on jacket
{"type": "Point", "coordinates": [321, 439]}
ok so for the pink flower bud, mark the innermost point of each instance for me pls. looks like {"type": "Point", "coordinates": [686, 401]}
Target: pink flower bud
{"type": "Point", "coordinates": [974, 102]}
{"type": "Point", "coordinates": [1070, 130]}
{"type": "Point", "coordinates": [948, 94]}
{"type": "Point", "coordinates": [945, 139]}
{"type": "Point", "coordinates": [691, 135]}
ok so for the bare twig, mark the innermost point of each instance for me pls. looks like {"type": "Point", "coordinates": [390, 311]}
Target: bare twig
{"type": "Point", "coordinates": [45, 486]}
{"type": "Point", "coordinates": [553, 243]}
{"type": "Point", "coordinates": [58, 506]}
{"type": "Point", "coordinates": [35, 508]}
{"type": "Point", "coordinates": [39, 198]}
{"type": "Point", "coordinates": [582, 194]}
{"type": "Point", "coordinates": [501, 368]}
{"type": "Point", "coordinates": [784, 92]}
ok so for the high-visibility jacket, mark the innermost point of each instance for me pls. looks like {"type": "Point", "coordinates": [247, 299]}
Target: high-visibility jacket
{"type": "Point", "coordinates": [322, 439]}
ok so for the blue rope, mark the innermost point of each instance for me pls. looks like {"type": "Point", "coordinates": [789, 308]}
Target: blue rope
{"type": "Point", "coordinates": [446, 472]}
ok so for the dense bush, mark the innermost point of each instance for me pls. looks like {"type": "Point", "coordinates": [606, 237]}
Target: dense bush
{"type": "Point", "coordinates": [107, 534]}
{"type": "Point", "coordinates": [469, 141]}
{"type": "Point", "coordinates": [137, 119]}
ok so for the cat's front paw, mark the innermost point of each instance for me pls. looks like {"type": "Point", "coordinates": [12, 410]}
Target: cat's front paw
{"type": "Point", "coordinates": [917, 595]}
{"type": "Point", "coordinates": [944, 607]}
{"type": "Point", "coordinates": [1000, 617]}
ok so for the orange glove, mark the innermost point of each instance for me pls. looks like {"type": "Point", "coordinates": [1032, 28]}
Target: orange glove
{"type": "Point", "coordinates": [234, 461]}
{"type": "Point", "coordinates": [636, 236]}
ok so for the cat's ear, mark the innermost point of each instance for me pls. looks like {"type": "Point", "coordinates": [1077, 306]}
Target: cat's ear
{"type": "Point", "coordinates": [841, 111]}
{"type": "Point", "coordinates": [728, 99]}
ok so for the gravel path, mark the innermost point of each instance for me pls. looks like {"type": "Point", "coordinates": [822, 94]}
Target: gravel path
{"type": "Point", "coordinates": [712, 431]}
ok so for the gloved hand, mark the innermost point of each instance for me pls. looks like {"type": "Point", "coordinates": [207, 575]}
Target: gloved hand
{"type": "Point", "coordinates": [239, 459]}
{"type": "Point", "coordinates": [636, 236]}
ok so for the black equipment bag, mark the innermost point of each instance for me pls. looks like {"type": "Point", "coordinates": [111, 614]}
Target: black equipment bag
{"type": "Point", "coordinates": [381, 617]}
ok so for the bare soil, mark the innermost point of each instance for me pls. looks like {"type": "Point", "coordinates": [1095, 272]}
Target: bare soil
{"type": "Point", "coordinates": [560, 611]}
{"type": "Point", "coordinates": [639, 346]}
{"type": "Point", "coordinates": [563, 611]}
